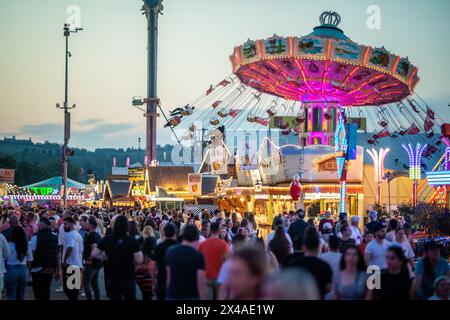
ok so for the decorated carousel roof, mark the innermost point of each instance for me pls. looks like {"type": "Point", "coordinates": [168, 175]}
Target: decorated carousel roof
{"type": "Point", "coordinates": [324, 65]}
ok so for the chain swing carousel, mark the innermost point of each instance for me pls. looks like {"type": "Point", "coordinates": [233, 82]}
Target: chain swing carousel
{"type": "Point", "coordinates": [306, 107]}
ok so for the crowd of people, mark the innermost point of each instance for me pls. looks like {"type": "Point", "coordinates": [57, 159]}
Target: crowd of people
{"type": "Point", "coordinates": [178, 255]}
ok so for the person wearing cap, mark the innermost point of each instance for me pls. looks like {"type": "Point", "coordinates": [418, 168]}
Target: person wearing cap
{"type": "Point", "coordinates": [327, 231]}
{"type": "Point", "coordinates": [370, 226]}
{"type": "Point", "coordinates": [44, 245]}
{"type": "Point", "coordinates": [72, 255]}
{"type": "Point", "coordinates": [356, 233]}
{"type": "Point", "coordinates": [376, 250]}
{"type": "Point", "coordinates": [326, 219]}
{"type": "Point", "coordinates": [428, 269]}
{"type": "Point", "coordinates": [441, 289]}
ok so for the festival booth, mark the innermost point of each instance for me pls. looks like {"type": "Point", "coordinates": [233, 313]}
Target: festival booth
{"type": "Point", "coordinates": [47, 192]}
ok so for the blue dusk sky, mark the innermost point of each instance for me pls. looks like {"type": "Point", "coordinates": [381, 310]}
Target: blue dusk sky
{"type": "Point", "coordinates": [108, 64]}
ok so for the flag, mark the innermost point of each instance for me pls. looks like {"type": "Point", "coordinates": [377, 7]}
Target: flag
{"type": "Point", "coordinates": [262, 121]}
{"type": "Point", "coordinates": [413, 106]}
{"type": "Point", "coordinates": [428, 124]}
{"type": "Point", "coordinates": [430, 113]}
{"type": "Point", "coordinates": [208, 92]}
{"type": "Point", "coordinates": [224, 83]}
{"type": "Point", "coordinates": [216, 104]}
{"type": "Point", "coordinates": [413, 129]}
{"type": "Point", "coordinates": [234, 112]}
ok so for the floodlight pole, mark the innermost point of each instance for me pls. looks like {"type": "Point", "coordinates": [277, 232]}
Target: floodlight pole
{"type": "Point", "coordinates": [65, 148]}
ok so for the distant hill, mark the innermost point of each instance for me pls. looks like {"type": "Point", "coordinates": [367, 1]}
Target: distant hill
{"type": "Point", "coordinates": [39, 161]}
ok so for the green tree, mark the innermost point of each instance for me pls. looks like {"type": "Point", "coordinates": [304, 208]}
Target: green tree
{"type": "Point", "coordinates": [8, 162]}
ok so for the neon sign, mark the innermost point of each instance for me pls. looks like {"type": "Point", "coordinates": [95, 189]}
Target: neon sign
{"type": "Point", "coordinates": [42, 191]}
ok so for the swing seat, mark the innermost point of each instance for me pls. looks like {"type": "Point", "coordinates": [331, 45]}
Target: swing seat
{"type": "Point", "coordinates": [271, 112]}
{"type": "Point", "coordinates": [214, 122]}
{"type": "Point", "coordinates": [286, 132]}
{"type": "Point", "coordinates": [222, 114]}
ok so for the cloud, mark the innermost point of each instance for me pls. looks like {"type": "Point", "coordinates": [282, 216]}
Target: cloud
{"type": "Point", "coordinates": [92, 121]}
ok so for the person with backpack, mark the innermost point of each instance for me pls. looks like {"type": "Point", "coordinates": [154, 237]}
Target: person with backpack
{"type": "Point", "coordinates": [44, 245]}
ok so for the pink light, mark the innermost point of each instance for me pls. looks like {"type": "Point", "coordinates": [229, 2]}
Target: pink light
{"type": "Point", "coordinates": [299, 65]}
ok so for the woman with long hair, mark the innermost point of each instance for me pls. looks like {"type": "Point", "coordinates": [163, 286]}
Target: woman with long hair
{"type": "Point", "coordinates": [144, 271]}
{"type": "Point", "coordinates": [247, 271]}
{"type": "Point", "coordinates": [351, 282]}
{"type": "Point", "coordinates": [134, 231]}
{"type": "Point", "coordinates": [280, 245]}
{"type": "Point", "coordinates": [223, 234]}
{"type": "Point", "coordinates": [16, 265]}
{"type": "Point", "coordinates": [235, 223]}
{"type": "Point", "coordinates": [161, 231]}
{"type": "Point", "coordinates": [368, 236]}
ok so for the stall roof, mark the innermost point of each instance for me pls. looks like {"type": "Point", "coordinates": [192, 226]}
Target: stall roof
{"type": "Point", "coordinates": [57, 181]}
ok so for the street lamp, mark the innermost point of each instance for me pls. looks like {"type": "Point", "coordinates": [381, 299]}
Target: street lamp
{"type": "Point", "coordinates": [378, 158]}
{"type": "Point", "coordinates": [66, 151]}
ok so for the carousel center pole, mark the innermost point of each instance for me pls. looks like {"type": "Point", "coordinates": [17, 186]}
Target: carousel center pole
{"type": "Point", "coordinates": [151, 9]}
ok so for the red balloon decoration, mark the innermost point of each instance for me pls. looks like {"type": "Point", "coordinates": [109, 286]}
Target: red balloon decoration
{"type": "Point", "coordinates": [296, 188]}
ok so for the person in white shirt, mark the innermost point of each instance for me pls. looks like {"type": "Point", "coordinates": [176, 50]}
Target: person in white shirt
{"type": "Point", "coordinates": [4, 254]}
{"type": "Point", "coordinates": [376, 250]}
{"type": "Point", "coordinates": [402, 242]}
{"type": "Point", "coordinates": [356, 233]}
{"type": "Point", "coordinates": [393, 225]}
{"type": "Point", "coordinates": [72, 256]}
{"type": "Point", "coordinates": [333, 257]}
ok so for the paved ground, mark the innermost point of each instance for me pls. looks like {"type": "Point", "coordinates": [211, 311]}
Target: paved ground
{"type": "Point", "coordinates": [59, 294]}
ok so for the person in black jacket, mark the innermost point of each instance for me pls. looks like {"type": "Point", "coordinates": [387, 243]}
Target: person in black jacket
{"type": "Point", "coordinates": [297, 228]}
{"type": "Point", "coordinates": [44, 245]}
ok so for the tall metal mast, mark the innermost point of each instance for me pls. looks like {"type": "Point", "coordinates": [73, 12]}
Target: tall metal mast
{"type": "Point", "coordinates": [66, 151]}
{"type": "Point", "coordinates": [151, 9]}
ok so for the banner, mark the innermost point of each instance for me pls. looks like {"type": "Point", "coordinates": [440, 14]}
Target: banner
{"type": "Point", "coordinates": [136, 174]}
{"type": "Point", "coordinates": [195, 184]}
{"type": "Point", "coordinates": [219, 160]}
{"type": "Point", "coordinates": [7, 175]}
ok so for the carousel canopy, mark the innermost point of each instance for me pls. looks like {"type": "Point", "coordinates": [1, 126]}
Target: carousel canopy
{"type": "Point", "coordinates": [324, 65]}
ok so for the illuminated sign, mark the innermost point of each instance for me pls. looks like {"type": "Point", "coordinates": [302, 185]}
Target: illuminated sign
{"type": "Point", "coordinates": [136, 174]}
{"type": "Point", "coordinates": [42, 191]}
{"type": "Point", "coordinates": [137, 191]}
{"type": "Point", "coordinates": [438, 178]}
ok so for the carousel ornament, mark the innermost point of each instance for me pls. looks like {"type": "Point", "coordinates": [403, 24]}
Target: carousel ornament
{"type": "Point", "coordinates": [296, 188]}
